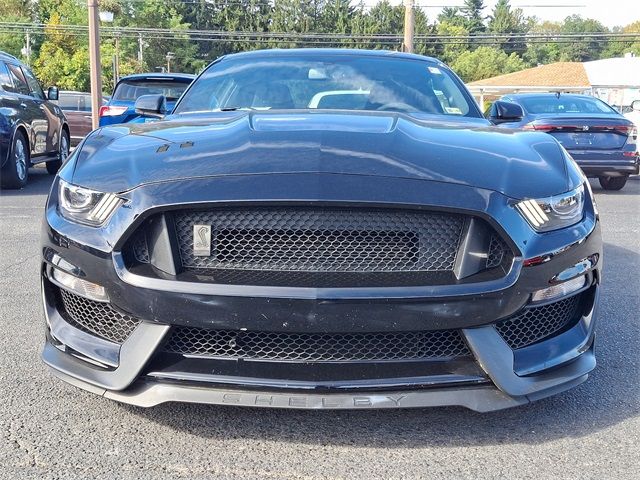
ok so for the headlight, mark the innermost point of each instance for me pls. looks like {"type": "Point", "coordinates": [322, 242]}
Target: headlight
{"type": "Point", "coordinates": [84, 205]}
{"type": "Point", "coordinates": [554, 212]}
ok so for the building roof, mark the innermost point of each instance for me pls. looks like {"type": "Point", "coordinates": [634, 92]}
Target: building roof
{"type": "Point", "coordinates": [623, 72]}
{"type": "Point", "coordinates": [614, 72]}
{"type": "Point", "coordinates": [560, 74]}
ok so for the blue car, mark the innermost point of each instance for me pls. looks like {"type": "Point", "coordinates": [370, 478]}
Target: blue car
{"type": "Point", "coordinates": [600, 140]}
{"type": "Point", "coordinates": [120, 107]}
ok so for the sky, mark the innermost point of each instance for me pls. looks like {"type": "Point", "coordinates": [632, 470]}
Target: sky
{"type": "Point", "coordinates": [611, 13]}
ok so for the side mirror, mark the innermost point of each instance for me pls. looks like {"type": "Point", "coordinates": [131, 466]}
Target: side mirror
{"type": "Point", "coordinates": [505, 112]}
{"type": "Point", "coordinates": [53, 93]}
{"type": "Point", "coordinates": [635, 105]}
{"type": "Point", "coordinates": [151, 106]}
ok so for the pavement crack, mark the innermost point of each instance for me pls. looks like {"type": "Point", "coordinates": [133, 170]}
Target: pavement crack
{"type": "Point", "coordinates": [18, 263]}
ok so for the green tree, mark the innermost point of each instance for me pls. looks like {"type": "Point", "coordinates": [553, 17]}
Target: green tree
{"type": "Point", "coordinates": [485, 62]}
{"type": "Point", "coordinates": [582, 49]}
{"type": "Point", "coordinates": [62, 60]}
{"type": "Point", "coordinates": [449, 49]}
{"type": "Point", "coordinates": [383, 18]}
{"type": "Point", "coordinates": [14, 11]}
{"type": "Point", "coordinates": [293, 16]}
{"type": "Point", "coordinates": [336, 17]}
{"type": "Point", "coordinates": [244, 16]}
{"type": "Point", "coordinates": [503, 20]}
{"type": "Point", "coordinates": [451, 16]}
{"type": "Point", "coordinates": [473, 15]}
{"type": "Point", "coordinates": [156, 14]}
{"type": "Point", "coordinates": [541, 53]}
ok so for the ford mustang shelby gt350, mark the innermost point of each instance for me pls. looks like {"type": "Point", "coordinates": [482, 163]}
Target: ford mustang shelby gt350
{"type": "Point", "coordinates": [321, 229]}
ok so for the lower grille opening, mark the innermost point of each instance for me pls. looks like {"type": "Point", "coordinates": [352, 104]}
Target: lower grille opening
{"type": "Point", "coordinates": [317, 347]}
{"type": "Point", "coordinates": [96, 318]}
{"type": "Point", "coordinates": [535, 324]}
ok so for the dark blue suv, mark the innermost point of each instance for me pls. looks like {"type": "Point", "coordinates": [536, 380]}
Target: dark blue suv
{"type": "Point", "coordinates": [120, 108]}
{"type": "Point", "coordinates": [600, 140]}
{"type": "Point", "coordinates": [32, 128]}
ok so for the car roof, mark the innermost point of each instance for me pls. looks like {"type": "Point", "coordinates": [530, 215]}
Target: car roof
{"type": "Point", "coordinates": [159, 76]}
{"type": "Point", "coordinates": [11, 58]}
{"type": "Point", "coordinates": [546, 95]}
{"type": "Point", "coordinates": [320, 52]}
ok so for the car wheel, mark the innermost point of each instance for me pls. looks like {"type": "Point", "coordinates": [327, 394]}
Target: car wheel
{"type": "Point", "coordinates": [16, 170]}
{"type": "Point", "coordinates": [54, 165]}
{"type": "Point", "coordinates": [613, 183]}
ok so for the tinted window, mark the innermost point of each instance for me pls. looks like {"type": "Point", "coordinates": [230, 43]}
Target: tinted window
{"type": "Point", "coordinates": [347, 82]}
{"type": "Point", "coordinates": [5, 80]}
{"type": "Point", "coordinates": [19, 82]}
{"type": "Point", "coordinates": [74, 102]}
{"type": "Point", "coordinates": [130, 89]}
{"type": "Point", "coordinates": [564, 104]}
{"type": "Point", "coordinates": [35, 90]}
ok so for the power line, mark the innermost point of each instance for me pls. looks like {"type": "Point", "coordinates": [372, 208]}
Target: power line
{"type": "Point", "coordinates": [185, 34]}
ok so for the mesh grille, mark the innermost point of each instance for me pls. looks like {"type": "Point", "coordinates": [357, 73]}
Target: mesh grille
{"type": "Point", "coordinates": [322, 240]}
{"type": "Point", "coordinates": [537, 323]}
{"type": "Point", "coordinates": [498, 250]}
{"type": "Point", "coordinates": [316, 346]}
{"type": "Point", "coordinates": [97, 318]}
{"type": "Point", "coordinates": [139, 248]}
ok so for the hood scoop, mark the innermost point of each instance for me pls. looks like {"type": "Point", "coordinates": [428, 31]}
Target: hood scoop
{"type": "Point", "coordinates": [304, 121]}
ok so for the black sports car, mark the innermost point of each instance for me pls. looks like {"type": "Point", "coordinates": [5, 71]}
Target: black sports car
{"type": "Point", "coordinates": [321, 229]}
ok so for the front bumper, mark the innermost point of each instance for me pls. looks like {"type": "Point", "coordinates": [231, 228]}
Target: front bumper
{"type": "Point", "coordinates": [492, 376]}
{"type": "Point", "coordinates": [502, 387]}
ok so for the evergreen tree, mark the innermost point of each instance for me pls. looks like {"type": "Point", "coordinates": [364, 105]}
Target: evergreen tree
{"type": "Point", "coordinates": [474, 19]}
{"type": "Point", "coordinates": [504, 20]}
{"type": "Point", "coordinates": [451, 16]}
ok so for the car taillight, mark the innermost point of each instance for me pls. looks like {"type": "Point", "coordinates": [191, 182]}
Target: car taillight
{"type": "Point", "coordinates": [621, 129]}
{"type": "Point", "coordinates": [109, 111]}
{"type": "Point", "coordinates": [539, 127]}
{"type": "Point", "coordinates": [632, 141]}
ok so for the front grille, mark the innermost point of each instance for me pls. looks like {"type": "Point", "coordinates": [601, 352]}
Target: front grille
{"type": "Point", "coordinates": [322, 240]}
{"type": "Point", "coordinates": [317, 347]}
{"type": "Point", "coordinates": [96, 318]}
{"type": "Point", "coordinates": [498, 251]}
{"type": "Point", "coordinates": [139, 247]}
{"type": "Point", "coordinates": [537, 323]}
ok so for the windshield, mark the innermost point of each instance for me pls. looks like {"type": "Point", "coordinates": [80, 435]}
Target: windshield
{"type": "Point", "coordinates": [560, 105]}
{"type": "Point", "coordinates": [346, 82]}
{"type": "Point", "coordinates": [130, 90]}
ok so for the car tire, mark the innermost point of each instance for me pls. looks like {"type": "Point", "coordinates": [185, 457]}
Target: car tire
{"type": "Point", "coordinates": [15, 173]}
{"type": "Point", "coordinates": [54, 165]}
{"type": "Point", "coordinates": [613, 183]}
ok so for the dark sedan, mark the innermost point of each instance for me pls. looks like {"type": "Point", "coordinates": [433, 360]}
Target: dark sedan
{"type": "Point", "coordinates": [600, 140]}
{"type": "Point", "coordinates": [120, 107]}
{"type": "Point", "coordinates": [256, 248]}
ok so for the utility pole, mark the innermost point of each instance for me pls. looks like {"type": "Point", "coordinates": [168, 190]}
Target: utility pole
{"type": "Point", "coordinates": [140, 45]}
{"type": "Point", "coordinates": [116, 60]}
{"type": "Point", "coordinates": [28, 48]}
{"type": "Point", "coordinates": [94, 61]}
{"type": "Point", "coordinates": [409, 22]}
{"type": "Point", "coordinates": [170, 56]}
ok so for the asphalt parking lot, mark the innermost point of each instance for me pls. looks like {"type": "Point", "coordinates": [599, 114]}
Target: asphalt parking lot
{"type": "Point", "coordinates": [52, 430]}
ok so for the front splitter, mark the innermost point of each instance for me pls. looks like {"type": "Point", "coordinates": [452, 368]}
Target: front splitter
{"type": "Point", "coordinates": [480, 399]}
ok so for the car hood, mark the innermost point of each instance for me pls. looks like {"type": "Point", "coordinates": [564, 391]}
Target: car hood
{"type": "Point", "coordinates": [462, 151]}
